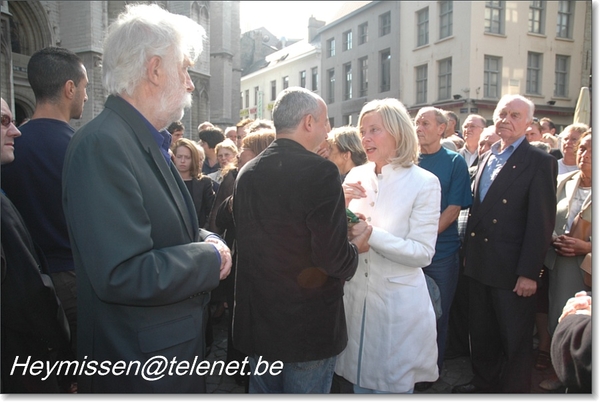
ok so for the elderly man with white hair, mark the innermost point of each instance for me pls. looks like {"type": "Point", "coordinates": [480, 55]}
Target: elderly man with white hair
{"type": "Point", "coordinates": [508, 232]}
{"type": "Point", "coordinates": [144, 270]}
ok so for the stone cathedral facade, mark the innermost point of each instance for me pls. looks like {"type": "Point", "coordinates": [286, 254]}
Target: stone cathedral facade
{"type": "Point", "coordinates": [27, 26]}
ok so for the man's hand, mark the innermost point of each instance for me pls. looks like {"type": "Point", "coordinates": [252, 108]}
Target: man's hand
{"type": "Point", "coordinates": [225, 254]}
{"type": "Point", "coordinates": [359, 235]}
{"type": "Point", "coordinates": [525, 287]}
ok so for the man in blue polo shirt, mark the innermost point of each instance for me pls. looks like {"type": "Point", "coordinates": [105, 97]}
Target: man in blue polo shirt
{"type": "Point", "coordinates": [452, 171]}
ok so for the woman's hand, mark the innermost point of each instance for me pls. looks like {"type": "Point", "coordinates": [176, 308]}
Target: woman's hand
{"type": "Point", "coordinates": [570, 246]}
{"type": "Point", "coordinates": [580, 304]}
{"type": "Point", "coordinates": [353, 191]}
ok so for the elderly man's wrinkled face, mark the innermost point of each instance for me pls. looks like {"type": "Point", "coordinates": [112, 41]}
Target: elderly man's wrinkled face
{"type": "Point", "coordinates": [177, 94]}
{"type": "Point", "coordinates": [511, 120]}
{"type": "Point", "coordinates": [429, 131]}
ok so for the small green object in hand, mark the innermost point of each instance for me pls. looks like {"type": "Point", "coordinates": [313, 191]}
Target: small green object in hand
{"type": "Point", "coordinates": [351, 217]}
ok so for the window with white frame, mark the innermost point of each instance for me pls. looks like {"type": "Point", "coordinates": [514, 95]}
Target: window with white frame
{"type": "Point", "coordinates": [331, 86]}
{"type": "Point", "coordinates": [286, 82]}
{"type": "Point", "coordinates": [385, 23]}
{"type": "Point", "coordinates": [363, 70]}
{"type": "Point", "coordinates": [446, 15]}
{"type": "Point", "coordinates": [247, 97]}
{"type": "Point", "coordinates": [494, 17]}
{"type": "Point", "coordinates": [385, 68]}
{"type": "Point", "coordinates": [564, 19]}
{"type": "Point", "coordinates": [256, 96]}
{"type": "Point", "coordinates": [537, 14]}
{"type": "Point", "coordinates": [534, 73]}
{"type": "Point", "coordinates": [331, 47]}
{"type": "Point", "coordinates": [492, 77]}
{"type": "Point", "coordinates": [303, 78]}
{"type": "Point", "coordinates": [273, 90]}
{"type": "Point", "coordinates": [363, 33]}
{"type": "Point", "coordinates": [348, 81]}
{"type": "Point", "coordinates": [561, 80]}
{"type": "Point", "coordinates": [423, 27]}
{"type": "Point", "coordinates": [347, 36]}
{"type": "Point", "coordinates": [445, 79]}
{"type": "Point", "coordinates": [421, 83]}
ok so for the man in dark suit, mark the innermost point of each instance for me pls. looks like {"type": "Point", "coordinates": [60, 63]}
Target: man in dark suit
{"type": "Point", "coordinates": [293, 253]}
{"type": "Point", "coordinates": [508, 232]}
{"type": "Point", "coordinates": [143, 274]}
{"type": "Point", "coordinates": [34, 325]}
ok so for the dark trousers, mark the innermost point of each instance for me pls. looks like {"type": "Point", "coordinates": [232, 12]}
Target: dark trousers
{"type": "Point", "coordinates": [65, 284]}
{"type": "Point", "coordinates": [458, 327]}
{"type": "Point", "coordinates": [501, 327]}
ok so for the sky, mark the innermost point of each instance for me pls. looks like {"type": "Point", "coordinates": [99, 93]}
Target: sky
{"type": "Point", "coordinates": [285, 18]}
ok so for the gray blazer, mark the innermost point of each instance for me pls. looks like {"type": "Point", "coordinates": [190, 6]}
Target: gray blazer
{"type": "Point", "coordinates": [143, 277]}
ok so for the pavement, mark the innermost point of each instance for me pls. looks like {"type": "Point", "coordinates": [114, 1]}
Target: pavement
{"type": "Point", "coordinates": [455, 372]}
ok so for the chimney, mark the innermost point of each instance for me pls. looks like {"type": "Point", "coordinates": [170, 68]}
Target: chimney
{"type": "Point", "coordinates": [313, 26]}
{"type": "Point", "coordinates": [258, 51]}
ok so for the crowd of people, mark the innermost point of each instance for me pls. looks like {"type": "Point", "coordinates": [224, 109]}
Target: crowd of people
{"type": "Point", "coordinates": [361, 255]}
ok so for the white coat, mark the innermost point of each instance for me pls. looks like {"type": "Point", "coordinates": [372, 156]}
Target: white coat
{"type": "Point", "coordinates": [399, 347]}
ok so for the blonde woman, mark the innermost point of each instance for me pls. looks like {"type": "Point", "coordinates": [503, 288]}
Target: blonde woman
{"type": "Point", "coordinates": [389, 314]}
{"type": "Point", "coordinates": [227, 157]}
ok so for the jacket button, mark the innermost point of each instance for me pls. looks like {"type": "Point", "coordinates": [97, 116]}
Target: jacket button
{"type": "Point", "coordinates": [494, 221]}
{"type": "Point", "coordinates": [366, 274]}
{"type": "Point", "coordinates": [504, 201]}
{"type": "Point", "coordinates": [366, 261]}
{"type": "Point", "coordinates": [472, 234]}
{"type": "Point", "coordinates": [372, 204]}
{"type": "Point", "coordinates": [485, 240]}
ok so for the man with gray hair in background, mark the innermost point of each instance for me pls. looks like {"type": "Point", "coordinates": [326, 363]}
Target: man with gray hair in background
{"type": "Point", "coordinates": [293, 253]}
{"type": "Point", "coordinates": [144, 270]}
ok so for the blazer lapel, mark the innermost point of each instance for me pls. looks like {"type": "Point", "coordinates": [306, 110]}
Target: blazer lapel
{"type": "Point", "coordinates": [167, 173]}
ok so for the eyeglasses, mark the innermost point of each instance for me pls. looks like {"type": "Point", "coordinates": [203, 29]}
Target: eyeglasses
{"type": "Point", "coordinates": [6, 120]}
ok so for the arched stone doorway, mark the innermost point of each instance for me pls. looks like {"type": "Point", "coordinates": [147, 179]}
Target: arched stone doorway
{"type": "Point", "coordinates": [25, 29]}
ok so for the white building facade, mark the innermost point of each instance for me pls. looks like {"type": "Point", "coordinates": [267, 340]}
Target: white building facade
{"type": "Point", "coordinates": [457, 55]}
{"type": "Point", "coordinates": [292, 66]}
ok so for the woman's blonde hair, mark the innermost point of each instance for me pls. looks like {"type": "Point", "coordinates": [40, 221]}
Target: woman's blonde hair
{"type": "Point", "coordinates": [398, 123]}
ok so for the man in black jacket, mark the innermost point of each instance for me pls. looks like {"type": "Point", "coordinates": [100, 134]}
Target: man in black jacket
{"type": "Point", "coordinates": [293, 253]}
{"type": "Point", "coordinates": [34, 325]}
